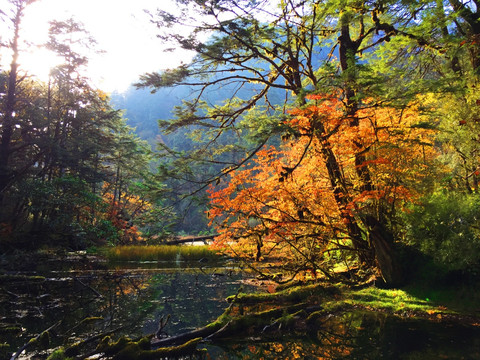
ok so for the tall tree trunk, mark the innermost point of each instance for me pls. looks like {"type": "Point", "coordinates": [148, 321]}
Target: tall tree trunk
{"type": "Point", "coordinates": [343, 199]}
{"type": "Point", "coordinates": [380, 237]}
{"type": "Point", "coordinates": [471, 17]}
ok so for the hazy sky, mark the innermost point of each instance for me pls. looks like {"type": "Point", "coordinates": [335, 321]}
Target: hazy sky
{"type": "Point", "coordinates": [121, 29]}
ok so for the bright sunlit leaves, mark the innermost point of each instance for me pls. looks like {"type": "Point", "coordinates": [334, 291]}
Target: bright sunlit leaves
{"type": "Point", "coordinates": [285, 205]}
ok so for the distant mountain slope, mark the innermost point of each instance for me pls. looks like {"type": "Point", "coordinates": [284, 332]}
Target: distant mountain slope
{"type": "Point", "coordinates": [143, 109]}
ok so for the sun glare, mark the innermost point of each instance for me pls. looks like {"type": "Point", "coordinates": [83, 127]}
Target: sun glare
{"type": "Point", "coordinates": [38, 61]}
{"type": "Point", "coordinates": [121, 28]}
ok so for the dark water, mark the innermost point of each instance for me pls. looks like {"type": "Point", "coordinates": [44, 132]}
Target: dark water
{"type": "Point", "coordinates": [131, 299]}
{"type": "Point", "coordinates": [363, 335]}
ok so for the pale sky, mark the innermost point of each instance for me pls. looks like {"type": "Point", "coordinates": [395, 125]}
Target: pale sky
{"type": "Point", "coordinates": [120, 27]}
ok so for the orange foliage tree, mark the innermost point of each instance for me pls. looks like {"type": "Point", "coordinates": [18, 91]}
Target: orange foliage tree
{"type": "Point", "coordinates": [121, 211]}
{"type": "Point", "coordinates": [311, 203]}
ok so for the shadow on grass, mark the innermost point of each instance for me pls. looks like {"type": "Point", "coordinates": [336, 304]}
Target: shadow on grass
{"type": "Point", "coordinates": [457, 290]}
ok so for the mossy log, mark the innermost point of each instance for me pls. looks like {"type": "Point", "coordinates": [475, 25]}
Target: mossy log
{"type": "Point", "coordinates": [285, 316]}
{"type": "Point", "coordinates": [202, 333]}
{"type": "Point", "coordinates": [75, 349]}
{"type": "Point", "coordinates": [126, 349]}
{"type": "Point", "coordinates": [294, 294]}
{"type": "Point", "coordinates": [226, 325]}
{"type": "Point", "coordinates": [42, 338]}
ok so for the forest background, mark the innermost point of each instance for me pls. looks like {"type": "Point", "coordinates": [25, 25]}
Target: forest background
{"type": "Point", "coordinates": [319, 133]}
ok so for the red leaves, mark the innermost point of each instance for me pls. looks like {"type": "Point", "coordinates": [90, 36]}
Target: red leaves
{"type": "Point", "coordinates": [312, 206]}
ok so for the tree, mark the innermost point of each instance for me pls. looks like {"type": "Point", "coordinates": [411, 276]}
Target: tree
{"type": "Point", "coordinates": [292, 49]}
{"type": "Point", "coordinates": [10, 101]}
{"type": "Point", "coordinates": [283, 205]}
{"type": "Point", "coordinates": [67, 142]}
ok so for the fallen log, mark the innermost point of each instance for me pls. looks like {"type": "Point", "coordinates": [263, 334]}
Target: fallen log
{"type": "Point", "coordinates": [42, 336]}
{"type": "Point", "coordinates": [226, 325]}
{"type": "Point", "coordinates": [126, 349]}
{"type": "Point", "coordinates": [186, 239]}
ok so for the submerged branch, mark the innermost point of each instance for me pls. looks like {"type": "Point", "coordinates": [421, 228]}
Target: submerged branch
{"type": "Point", "coordinates": [37, 338]}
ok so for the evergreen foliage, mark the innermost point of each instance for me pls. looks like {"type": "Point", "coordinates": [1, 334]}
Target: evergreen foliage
{"type": "Point", "coordinates": [72, 173]}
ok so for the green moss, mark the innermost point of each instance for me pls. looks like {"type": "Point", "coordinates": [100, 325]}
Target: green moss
{"type": "Point", "coordinates": [287, 321]}
{"type": "Point", "coordinates": [294, 294]}
{"type": "Point", "coordinates": [111, 348]}
{"type": "Point", "coordinates": [392, 300]}
{"type": "Point", "coordinates": [126, 349]}
{"type": "Point", "coordinates": [59, 355]}
{"type": "Point", "coordinates": [44, 339]}
{"type": "Point", "coordinates": [144, 343]}
{"type": "Point", "coordinates": [222, 319]}
{"type": "Point", "coordinates": [73, 350]}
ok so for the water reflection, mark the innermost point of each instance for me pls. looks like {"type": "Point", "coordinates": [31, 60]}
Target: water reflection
{"type": "Point", "coordinates": [125, 300]}
{"type": "Point", "coordinates": [362, 335]}
{"type": "Point", "coordinates": [131, 299]}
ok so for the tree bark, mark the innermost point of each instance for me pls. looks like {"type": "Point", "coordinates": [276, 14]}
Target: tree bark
{"type": "Point", "coordinates": [385, 255]}
{"type": "Point", "coordinates": [381, 239]}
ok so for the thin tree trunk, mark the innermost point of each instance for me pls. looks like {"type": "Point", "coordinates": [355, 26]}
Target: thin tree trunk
{"type": "Point", "coordinates": [8, 123]}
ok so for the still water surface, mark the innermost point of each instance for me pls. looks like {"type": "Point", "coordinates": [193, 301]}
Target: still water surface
{"type": "Point", "coordinates": [131, 298]}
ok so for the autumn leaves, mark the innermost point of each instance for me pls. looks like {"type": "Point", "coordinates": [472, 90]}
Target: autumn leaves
{"type": "Point", "coordinates": [297, 202]}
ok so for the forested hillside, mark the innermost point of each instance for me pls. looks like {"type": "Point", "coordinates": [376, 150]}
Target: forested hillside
{"type": "Point", "coordinates": [142, 109]}
{"type": "Point", "coordinates": [148, 112]}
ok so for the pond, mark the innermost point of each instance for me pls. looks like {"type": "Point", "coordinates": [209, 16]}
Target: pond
{"type": "Point", "coordinates": [86, 299]}
{"type": "Point", "coordinates": [362, 335]}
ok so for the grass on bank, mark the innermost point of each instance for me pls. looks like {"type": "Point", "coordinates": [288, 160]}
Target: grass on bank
{"type": "Point", "coordinates": [394, 301]}
{"type": "Point", "coordinates": [339, 297]}
{"type": "Point", "coordinates": [160, 253]}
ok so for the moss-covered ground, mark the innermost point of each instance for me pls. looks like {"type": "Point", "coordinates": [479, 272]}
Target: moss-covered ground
{"type": "Point", "coordinates": [415, 300]}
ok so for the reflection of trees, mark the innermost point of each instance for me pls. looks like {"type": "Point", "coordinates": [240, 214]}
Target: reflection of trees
{"type": "Point", "coordinates": [130, 302]}
{"type": "Point", "coordinates": [352, 335]}
{"type": "Point", "coordinates": [127, 302]}
{"type": "Point", "coordinates": [333, 338]}
{"type": "Point", "coordinates": [127, 299]}
{"type": "Point", "coordinates": [85, 303]}
{"type": "Point", "coordinates": [359, 335]}
{"type": "Point", "coordinates": [192, 298]}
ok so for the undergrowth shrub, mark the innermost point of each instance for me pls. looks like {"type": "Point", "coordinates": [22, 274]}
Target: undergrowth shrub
{"type": "Point", "coordinates": [446, 227]}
